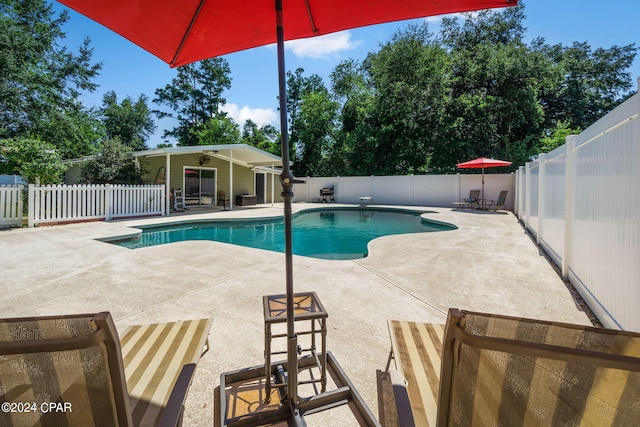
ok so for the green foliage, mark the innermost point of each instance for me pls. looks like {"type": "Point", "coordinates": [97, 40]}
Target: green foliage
{"type": "Point", "coordinates": [41, 81]}
{"type": "Point", "coordinates": [588, 84]}
{"type": "Point", "coordinates": [410, 76]}
{"type": "Point", "coordinates": [297, 87]}
{"type": "Point", "coordinates": [217, 130]}
{"type": "Point", "coordinates": [194, 97]}
{"type": "Point", "coordinates": [112, 164]}
{"type": "Point", "coordinates": [316, 123]}
{"type": "Point", "coordinates": [34, 160]}
{"type": "Point", "coordinates": [557, 138]}
{"type": "Point", "coordinates": [266, 138]}
{"type": "Point", "coordinates": [128, 121]}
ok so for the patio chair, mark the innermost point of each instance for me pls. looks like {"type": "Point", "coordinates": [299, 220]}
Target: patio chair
{"type": "Point", "coordinates": [500, 370]}
{"type": "Point", "coordinates": [470, 202]}
{"type": "Point", "coordinates": [498, 204]}
{"type": "Point", "coordinates": [178, 200]}
{"type": "Point", "coordinates": [73, 371]}
{"type": "Point", "coordinates": [223, 200]}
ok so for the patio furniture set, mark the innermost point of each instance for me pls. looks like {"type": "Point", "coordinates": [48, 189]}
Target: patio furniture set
{"type": "Point", "coordinates": [475, 202]}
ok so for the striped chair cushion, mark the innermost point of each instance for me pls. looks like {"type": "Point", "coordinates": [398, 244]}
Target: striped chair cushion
{"type": "Point", "coordinates": [153, 358]}
{"type": "Point", "coordinates": [416, 348]}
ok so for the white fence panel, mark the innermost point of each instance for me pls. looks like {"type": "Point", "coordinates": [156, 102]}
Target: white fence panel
{"type": "Point", "coordinates": [11, 206]}
{"type": "Point", "coordinates": [130, 201]}
{"type": "Point", "coordinates": [605, 233]}
{"type": "Point", "coordinates": [552, 219]}
{"type": "Point", "coordinates": [581, 202]}
{"type": "Point", "coordinates": [435, 190]}
{"type": "Point", "coordinates": [392, 190]}
{"type": "Point", "coordinates": [412, 190]}
{"type": "Point", "coordinates": [67, 203]}
{"type": "Point", "coordinates": [531, 196]}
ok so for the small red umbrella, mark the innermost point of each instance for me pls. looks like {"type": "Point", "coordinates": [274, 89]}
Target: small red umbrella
{"type": "Point", "coordinates": [183, 31]}
{"type": "Point", "coordinates": [482, 163]}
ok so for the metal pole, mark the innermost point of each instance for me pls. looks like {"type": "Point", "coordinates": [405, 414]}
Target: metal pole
{"type": "Point", "coordinates": [287, 180]}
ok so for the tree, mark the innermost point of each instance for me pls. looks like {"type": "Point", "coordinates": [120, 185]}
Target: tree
{"type": "Point", "coordinates": [112, 164]}
{"type": "Point", "coordinates": [557, 138]}
{"type": "Point", "coordinates": [351, 152]}
{"type": "Point", "coordinates": [41, 81]}
{"type": "Point", "coordinates": [410, 77]}
{"type": "Point", "coordinates": [589, 83]}
{"type": "Point", "coordinates": [194, 97]}
{"type": "Point", "coordinates": [34, 160]}
{"type": "Point", "coordinates": [217, 130]}
{"type": "Point", "coordinates": [297, 86]}
{"type": "Point", "coordinates": [75, 132]}
{"type": "Point", "coordinates": [494, 110]}
{"type": "Point", "coordinates": [266, 138]}
{"type": "Point", "coordinates": [129, 121]}
{"type": "Point", "coordinates": [315, 127]}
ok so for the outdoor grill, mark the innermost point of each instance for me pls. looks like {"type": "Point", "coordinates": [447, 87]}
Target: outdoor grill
{"type": "Point", "coordinates": [327, 194]}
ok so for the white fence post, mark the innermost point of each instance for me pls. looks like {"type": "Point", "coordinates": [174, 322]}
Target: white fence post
{"type": "Point", "coordinates": [569, 191]}
{"type": "Point", "coordinates": [541, 196]}
{"type": "Point", "coordinates": [108, 201]}
{"type": "Point", "coordinates": [31, 206]}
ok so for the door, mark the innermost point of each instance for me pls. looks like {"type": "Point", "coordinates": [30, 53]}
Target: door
{"type": "Point", "coordinates": [199, 186]}
{"type": "Point", "coordinates": [260, 187]}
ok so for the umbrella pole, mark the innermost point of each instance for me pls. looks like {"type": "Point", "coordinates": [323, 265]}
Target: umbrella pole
{"type": "Point", "coordinates": [482, 197]}
{"type": "Point", "coordinates": [287, 180]}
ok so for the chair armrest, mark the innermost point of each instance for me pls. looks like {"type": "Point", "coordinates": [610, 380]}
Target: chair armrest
{"type": "Point", "coordinates": [401, 396]}
{"type": "Point", "coordinates": [172, 414]}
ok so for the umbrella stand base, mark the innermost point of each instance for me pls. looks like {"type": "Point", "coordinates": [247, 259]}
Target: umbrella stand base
{"type": "Point", "coordinates": [243, 400]}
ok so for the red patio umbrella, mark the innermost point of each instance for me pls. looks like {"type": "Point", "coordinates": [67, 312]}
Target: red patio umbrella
{"type": "Point", "coordinates": [482, 163]}
{"type": "Point", "coordinates": [181, 32]}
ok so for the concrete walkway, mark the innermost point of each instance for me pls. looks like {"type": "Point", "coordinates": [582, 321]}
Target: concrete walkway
{"type": "Point", "coordinates": [488, 264]}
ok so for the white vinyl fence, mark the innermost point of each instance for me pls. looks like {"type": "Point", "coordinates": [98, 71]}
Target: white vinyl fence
{"type": "Point", "coordinates": [11, 206]}
{"type": "Point", "coordinates": [581, 202]}
{"type": "Point", "coordinates": [65, 203]}
{"type": "Point", "coordinates": [412, 190]}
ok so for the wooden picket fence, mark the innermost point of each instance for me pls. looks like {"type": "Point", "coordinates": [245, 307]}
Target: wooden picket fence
{"type": "Point", "coordinates": [70, 203]}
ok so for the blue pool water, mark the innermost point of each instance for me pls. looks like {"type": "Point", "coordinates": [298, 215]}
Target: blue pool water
{"type": "Point", "coordinates": [326, 233]}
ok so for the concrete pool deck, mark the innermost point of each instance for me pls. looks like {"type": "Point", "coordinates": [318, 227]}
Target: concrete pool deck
{"type": "Point", "coordinates": [488, 264]}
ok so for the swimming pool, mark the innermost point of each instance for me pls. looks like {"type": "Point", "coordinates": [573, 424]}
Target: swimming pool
{"type": "Point", "coordinates": [330, 233]}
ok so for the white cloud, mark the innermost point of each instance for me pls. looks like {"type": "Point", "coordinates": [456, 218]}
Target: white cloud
{"type": "Point", "coordinates": [260, 116]}
{"type": "Point", "coordinates": [322, 46]}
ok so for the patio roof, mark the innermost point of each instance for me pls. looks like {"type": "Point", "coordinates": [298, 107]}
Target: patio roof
{"type": "Point", "coordinates": [243, 154]}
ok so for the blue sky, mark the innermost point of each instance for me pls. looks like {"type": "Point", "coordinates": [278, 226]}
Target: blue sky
{"type": "Point", "coordinates": [130, 71]}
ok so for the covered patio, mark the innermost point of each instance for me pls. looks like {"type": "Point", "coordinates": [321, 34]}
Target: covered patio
{"type": "Point", "coordinates": [203, 172]}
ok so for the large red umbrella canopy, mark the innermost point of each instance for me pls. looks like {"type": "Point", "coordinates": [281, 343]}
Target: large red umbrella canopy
{"type": "Point", "coordinates": [483, 162]}
{"type": "Point", "coordinates": [184, 31]}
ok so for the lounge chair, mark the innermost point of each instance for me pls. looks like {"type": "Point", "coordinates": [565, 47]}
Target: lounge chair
{"type": "Point", "coordinates": [498, 204]}
{"type": "Point", "coordinates": [470, 202]}
{"type": "Point", "coordinates": [72, 370]}
{"type": "Point", "coordinates": [499, 370]}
